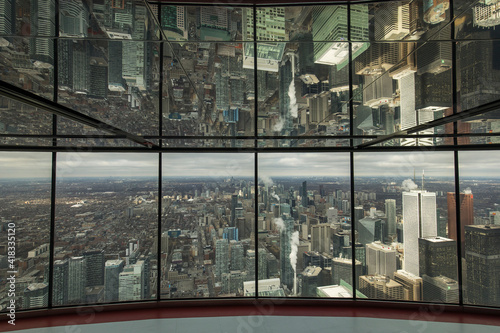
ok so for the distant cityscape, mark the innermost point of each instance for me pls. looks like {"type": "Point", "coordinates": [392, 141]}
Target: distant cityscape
{"type": "Point", "coordinates": [106, 246]}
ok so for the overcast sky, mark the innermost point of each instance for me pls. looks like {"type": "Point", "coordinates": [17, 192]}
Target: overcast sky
{"type": "Point", "coordinates": [390, 164]}
{"type": "Point", "coordinates": [304, 164]}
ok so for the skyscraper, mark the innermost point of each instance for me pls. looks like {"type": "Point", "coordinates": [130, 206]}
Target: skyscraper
{"type": "Point", "coordinates": [36, 295]}
{"type": "Point", "coordinates": [263, 258]}
{"type": "Point", "coordinates": [60, 288]}
{"type": "Point", "coordinates": [42, 25]}
{"type": "Point", "coordinates": [380, 259]}
{"type": "Point", "coordinates": [95, 267]}
{"type": "Point", "coordinates": [466, 215]}
{"type": "Point", "coordinates": [7, 17]}
{"type": "Point", "coordinates": [303, 194]}
{"type": "Point", "coordinates": [131, 282]}
{"type": "Point", "coordinates": [77, 279]}
{"type": "Point", "coordinates": [271, 28]}
{"type": "Point", "coordinates": [250, 264]}
{"type": "Point", "coordinates": [419, 221]}
{"type": "Point", "coordinates": [438, 256]}
{"type": "Point", "coordinates": [237, 263]}
{"type": "Point", "coordinates": [440, 289]}
{"type": "Point", "coordinates": [380, 287]}
{"type": "Point", "coordinates": [234, 204]}
{"type": "Point", "coordinates": [320, 238]}
{"type": "Point", "coordinates": [482, 257]}
{"type": "Point", "coordinates": [411, 283]}
{"type": "Point", "coordinates": [221, 257]}
{"type": "Point", "coordinates": [286, 269]}
{"type": "Point", "coordinates": [112, 271]}
{"type": "Point", "coordinates": [329, 24]}
{"type": "Point", "coordinates": [390, 213]}
{"type": "Point", "coordinates": [392, 21]}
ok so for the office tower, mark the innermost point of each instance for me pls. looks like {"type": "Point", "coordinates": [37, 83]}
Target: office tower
{"type": "Point", "coordinates": [131, 282]}
{"type": "Point", "coordinates": [412, 285]}
{"type": "Point", "coordinates": [417, 28]}
{"type": "Point", "coordinates": [329, 23]}
{"type": "Point", "coordinates": [311, 280]}
{"type": "Point", "coordinates": [115, 65]}
{"type": "Point", "coordinates": [340, 240]}
{"type": "Point", "coordinates": [360, 252]}
{"type": "Point", "coordinates": [380, 287]}
{"type": "Point", "coordinates": [433, 94]}
{"type": "Point", "coordinates": [221, 257]}
{"type": "Point", "coordinates": [271, 28]}
{"type": "Point", "coordinates": [466, 215]}
{"type": "Point", "coordinates": [390, 213]}
{"type": "Point", "coordinates": [392, 21]}
{"type": "Point", "coordinates": [77, 279]}
{"type": "Point", "coordinates": [60, 288]}
{"type": "Point", "coordinates": [42, 19]}
{"type": "Point", "coordinates": [286, 269]}
{"type": "Point", "coordinates": [482, 257]}
{"type": "Point", "coordinates": [303, 194]}
{"type": "Point", "coordinates": [112, 270]}
{"type": "Point", "coordinates": [419, 221]}
{"type": "Point", "coordinates": [380, 259]}
{"type": "Point", "coordinates": [440, 289]}
{"type": "Point", "coordinates": [370, 230]}
{"type": "Point", "coordinates": [36, 295]}
{"type": "Point", "coordinates": [359, 213]}
{"type": "Point", "coordinates": [377, 59]}
{"type": "Point", "coordinates": [435, 57]}
{"type": "Point", "coordinates": [73, 18]}
{"type": "Point", "coordinates": [435, 11]}
{"type": "Point", "coordinates": [237, 263]}
{"type": "Point", "coordinates": [98, 78]}
{"type": "Point", "coordinates": [286, 77]}
{"type": "Point", "coordinates": [332, 215]}
{"type": "Point", "coordinates": [263, 267]}
{"type": "Point", "coordinates": [484, 15]}
{"type": "Point", "coordinates": [230, 233]}
{"type": "Point", "coordinates": [377, 91]}
{"type": "Point", "coordinates": [479, 71]}
{"type": "Point", "coordinates": [65, 63]}
{"type": "Point", "coordinates": [438, 256]}
{"type": "Point", "coordinates": [81, 64]}
{"type": "Point", "coordinates": [95, 267]}
{"type": "Point", "coordinates": [7, 17]}
{"type": "Point", "coordinates": [342, 270]}
{"type": "Point", "coordinates": [234, 204]}
{"type": "Point", "coordinates": [214, 23]}
{"type": "Point", "coordinates": [173, 22]}
{"type": "Point", "coordinates": [250, 264]}
{"type": "Point", "coordinates": [320, 238]}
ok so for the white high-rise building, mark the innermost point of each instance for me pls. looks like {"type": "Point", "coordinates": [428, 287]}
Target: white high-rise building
{"type": "Point", "coordinates": [131, 282]}
{"type": "Point", "coordinates": [419, 221]}
{"type": "Point", "coordinates": [380, 259]}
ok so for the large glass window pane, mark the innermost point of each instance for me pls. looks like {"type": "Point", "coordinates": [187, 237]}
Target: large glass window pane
{"type": "Point", "coordinates": [122, 19]}
{"type": "Point", "coordinates": [404, 222]}
{"type": "Point", "coordinates": [204, 23]}
{"type": "Point", "coordinates": [18, 119]}
{"type": "Point", "coordinates": [208, 216]}
{"type": "Point", "coordinates": [106, 227]}
{"type": "Point", "coordinates": [304, 212]}
{"type": "Point", "coordinates": [113, 81]}
{"type": "Point", "coordinates": [402, 85]}
{"type": "Point", "coordinates": [480, 226]}
{"type": "Point", "coordinates": [25, 229]}
{"type": "Point", "coordinates": [208, 90]}
{"type": "Point", "coordinates": [399, 20]}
